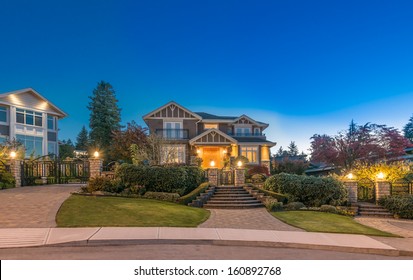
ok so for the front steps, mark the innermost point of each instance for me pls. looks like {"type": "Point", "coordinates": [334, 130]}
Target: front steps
{"type": "Point", "coordinates": [373, 210]}
{"type": "Point", "coordinates": [230, 197]}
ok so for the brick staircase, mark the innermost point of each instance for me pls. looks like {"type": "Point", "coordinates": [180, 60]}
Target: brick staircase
{"type": "Point", "coordinates": [230, 197]}
{"type": "Point", "coordinates": [373, 210]}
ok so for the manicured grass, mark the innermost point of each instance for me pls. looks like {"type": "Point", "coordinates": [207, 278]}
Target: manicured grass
{"type": "Point", "coordinates": [91, 211]}
{"type": "Point", "coordinates": [326, 222]}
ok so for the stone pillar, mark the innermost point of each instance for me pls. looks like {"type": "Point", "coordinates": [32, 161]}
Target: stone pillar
{"type": "Point", "coordinates": [95, 167]}
{"type": "Point", "coordinates": [16, 171]}
{"type": "Point", "coordinates": [382, 189]}
{"type": "Point", "coordinates": [351, 187]}
{"type": "Point", "coordinates": [213, 176]}
{"type": "Point", "coordinates": [239, 177]}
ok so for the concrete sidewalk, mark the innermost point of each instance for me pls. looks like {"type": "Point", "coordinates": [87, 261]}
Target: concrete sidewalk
{"type": "Point", "coordinates": [28, 237]}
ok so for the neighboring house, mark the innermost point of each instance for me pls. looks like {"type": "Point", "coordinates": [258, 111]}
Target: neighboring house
{"type": "Point", "coordinates": [212, 138]}
{"type": "Point", "coordinates": [30, 118]}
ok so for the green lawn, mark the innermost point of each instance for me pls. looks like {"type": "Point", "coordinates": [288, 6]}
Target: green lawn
{"type": "Point", "coordinates": [91, 211]}
{"type": "Point", "coordinates": [326, 222]}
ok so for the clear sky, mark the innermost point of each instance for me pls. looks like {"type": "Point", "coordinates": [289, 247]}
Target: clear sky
{"type": "Point", "coordinates": [304, 67]}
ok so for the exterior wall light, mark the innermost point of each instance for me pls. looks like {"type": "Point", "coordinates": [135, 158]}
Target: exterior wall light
{"type": "Point", "coordinates": [224, 151]}
{"type": "Point", "coordinates": [96, 154]}
{"type": "Point", "coordinates": [198, 151]}
{"type": "Point", "coordinates": [212, 163]}
{"type": "Point", "coordinates": [239, 164]}
{"type": "Point", "coordinates": [380, 176]}
{"type": "Point", "coordinates": [13, 154]}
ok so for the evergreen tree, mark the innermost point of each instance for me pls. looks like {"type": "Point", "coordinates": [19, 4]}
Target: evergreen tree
{"type": "Point", "coordinates": [280, 152]}
{"type": "Point", "coordinates": [66, 149]}
{"type": "Point", "coordinates": [104, 116]}
{"type": "Point", "coordinates": [292, 149]}
{"type": "Point", "coordinates": [408, 130]}
{"type": "Point", "coordinates": [82, 140]}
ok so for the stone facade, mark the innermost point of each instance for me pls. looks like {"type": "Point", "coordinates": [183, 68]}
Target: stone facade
{"type": "Point", "coordinates": [352, 191]}
{"type": "Point", "coordinates": [15, 169]}
{"type": "Point", "coordinates": [382, 189]}
{"type": "Point", "coordinates": [239, 177]}
{"type": "Point", "coordinates": [95, 167]}
{"type": "Point", "coordinates": [213, 176]}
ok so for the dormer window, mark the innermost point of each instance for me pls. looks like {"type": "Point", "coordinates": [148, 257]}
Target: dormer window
{"type": "Point", "coordinates": [210, 126]}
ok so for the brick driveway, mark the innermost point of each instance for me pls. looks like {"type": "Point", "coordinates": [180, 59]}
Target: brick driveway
{"type": "Point", "coordinates": [256, 218]}
{"type": "Point", "coordinates": [29, 207]}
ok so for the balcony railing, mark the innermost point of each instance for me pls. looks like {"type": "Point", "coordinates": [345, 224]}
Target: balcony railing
{"type": "Point", "coordinates": [173, 134]}
{"type": "Point", "coordinates": [255, 134]}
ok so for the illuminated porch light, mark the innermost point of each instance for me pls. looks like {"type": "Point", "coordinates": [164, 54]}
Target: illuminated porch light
{"type": "Point", "coordinates": [224, 151]}
{"type": "Point", "coordinates": [239, 163]}
{"type": "Point", "coordinates": [212, 163]}
{"type": "Point", "coordinates": [380, 176]}
{"type": "Point", "coordinates": [13, 154]}
{"type": "Point", "coordinates": [96, 154]}
{"type": "Point", "coordinates": [198, 151]}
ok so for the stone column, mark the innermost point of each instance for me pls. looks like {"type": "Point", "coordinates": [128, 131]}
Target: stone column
{"type": "Point", "coordinates": [95, 167]}
{"type": "Point", "coordinates": [213, 176]}
{"type": "Point", "coordinates": [351, 187]}
{"type": "Point", "coordinates": [16, 171]}
{"type": "Point", "coordinates": [382, 189]}
{"type": "Point", "coordinates": [239, 177]}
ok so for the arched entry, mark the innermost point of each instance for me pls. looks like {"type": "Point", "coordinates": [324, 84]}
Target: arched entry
{"type": "Point", "coordinates": [366, 190]}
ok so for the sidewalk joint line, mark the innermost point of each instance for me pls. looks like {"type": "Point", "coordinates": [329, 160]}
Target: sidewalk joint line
{"type": "Point", "coordinates": [93, 234]}
{"type": "Point", "coordinates": [46, 240]}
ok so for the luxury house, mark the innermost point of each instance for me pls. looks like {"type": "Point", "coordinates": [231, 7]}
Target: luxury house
{"type": "Point", "coordinates": [30, 118]}
{"type": "Point", "coordinates": [214, 139]}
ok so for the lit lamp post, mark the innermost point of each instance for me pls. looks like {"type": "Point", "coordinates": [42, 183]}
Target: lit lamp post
{"type": "Point", "coordinates": [381, 176]}
{"type": "Point", "coordinates": [239, 164]}
{"type": "Point", "coordinates": [96, 154]}
{"type": "Point", "coordinates": [350, 176]}
{"type": "Point", "coordinates": [13, 154]}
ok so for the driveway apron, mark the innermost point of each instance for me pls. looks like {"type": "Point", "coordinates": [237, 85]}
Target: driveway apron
{"type": "Point", "coordinates": [32, 207]}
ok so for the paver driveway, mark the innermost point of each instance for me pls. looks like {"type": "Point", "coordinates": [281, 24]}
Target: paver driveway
{"type": "Point", "coordinates": [30, 207]}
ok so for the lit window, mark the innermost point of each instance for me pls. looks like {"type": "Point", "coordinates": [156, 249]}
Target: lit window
{"type": "Point", "coordinates": [251, 153]}
{"type": "Point", "coordinates": [210, 126]}
{"type": "Point", "coordinates": [3, 114]}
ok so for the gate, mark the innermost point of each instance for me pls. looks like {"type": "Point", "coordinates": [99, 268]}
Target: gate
{"type": "Point", "coordinates": [43, 172]}
{"type": "Point", "coordinates": [401, 187]}
{"type": "Point", "coordinates": [366, 190]}
{"type": "Point", "coordinates": [226, 177]}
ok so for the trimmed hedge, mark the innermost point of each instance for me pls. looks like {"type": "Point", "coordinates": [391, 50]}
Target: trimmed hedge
{"type": "Point", "coordinates": [171, 179]}
{"type": "Point", "coordinates": [7, 180]}
{"type": "Point", "coordinates": [310, 190]}
{"type": "Point", "coordinates": [400, 205]}
{"type": "Point", "coordinates": [280, 197]}
{"type": "Point", "coordinates": [172, 197]}
{"type": "Point", "coordinates": [194, 194]}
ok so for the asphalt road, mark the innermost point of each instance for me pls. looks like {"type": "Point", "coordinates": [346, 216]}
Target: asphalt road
{"type": "Point", "coordinates": [179, 252]}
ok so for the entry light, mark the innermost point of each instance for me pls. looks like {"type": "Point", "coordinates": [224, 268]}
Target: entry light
{"type": "Point", "coordinates": [380, 176]}
{"type": "Point", "coordinates": [13, 154]}
{"type": "Point", "coordinates": [350, 176]}
{"type": "Point", "coordinates": [96, 154]}
{"type": "Point", "coordinates": [212, 163]}
{"type": "Point", "coordinates": [239, 163]}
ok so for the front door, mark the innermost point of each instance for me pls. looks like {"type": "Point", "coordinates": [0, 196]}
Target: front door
{"type": "Point", "coordinates": [211, 154]}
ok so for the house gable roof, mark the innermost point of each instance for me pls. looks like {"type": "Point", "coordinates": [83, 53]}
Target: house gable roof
{"type": "Point", "coordinates": [172, 110]}
{"type": "Point", "coordinates": [247, 120]}
{"type": "Point", "coordinates": [30, 98]}
{"type": "Point", "coordinates": [212, 136]}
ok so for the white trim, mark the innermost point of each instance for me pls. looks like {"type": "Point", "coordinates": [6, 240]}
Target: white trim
{"type": "Point", "coordinates": [192, 141]}
{"type": "Point", "coordinates": [31, 90]}
{"type": "Point", "coordinates": [148, 116]}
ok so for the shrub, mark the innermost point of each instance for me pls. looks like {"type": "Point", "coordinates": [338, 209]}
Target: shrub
{"type": "Point", "coordinates": [7, 180]}
{"type": "Point", "coordinates": [401, 205]}
{"type": "Point", "coordinates": [172, 179]}
{"type": "Point", "coordinates": [280, 197]}
{"type": "Point", "coordinates": [294, 206]}
{"type": "Point", "coordinates": [258, 178]}
{"type": "Point", "coordinates": [173, 197]}
{"type": "Point", "coordinates": [99, 183]}
{"type": "Point", "coordinates": [257, 169]}
{"type": "Point", "coordinates": [329, 209]}
{"type": "Point", "coordinates": [272, 204]}
{"type": "Point", "coordinates": [186, 199]}
{"type": "Point", "coordinates": [310, 190]}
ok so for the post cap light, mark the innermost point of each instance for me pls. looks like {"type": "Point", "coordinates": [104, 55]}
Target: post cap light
{"type": "Point", "coordinates": [212, 163]}
{"type": "Point", "coordinates": [96, 154]}
{"type": "Point", "coordinates": [13, 154]}
{"type": "Point", "coordinates": [350, 176]}
{"type": "Point", "coordinates": [380, 176]}
{"type": "Point", "coordinates": [239, 163]}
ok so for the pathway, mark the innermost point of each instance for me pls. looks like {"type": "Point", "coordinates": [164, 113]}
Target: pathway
{"type": "Point", "coordinates": [400, 227]}
{"type": "Point", "coordinates": [257, 218]}
{"type": "Point", "coordinates": [32, 207]}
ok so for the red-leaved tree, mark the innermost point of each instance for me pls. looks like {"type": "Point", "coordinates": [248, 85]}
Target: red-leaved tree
{"type": "Point", "coordinates": [364, 143]}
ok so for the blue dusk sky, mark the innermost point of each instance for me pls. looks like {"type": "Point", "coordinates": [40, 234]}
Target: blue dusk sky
{"type": "Point", "coordinates": [304, 67]}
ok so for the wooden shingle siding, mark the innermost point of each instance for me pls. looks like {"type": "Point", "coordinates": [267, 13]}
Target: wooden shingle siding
{"type": "Point", "coordinates": [191, 125]}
